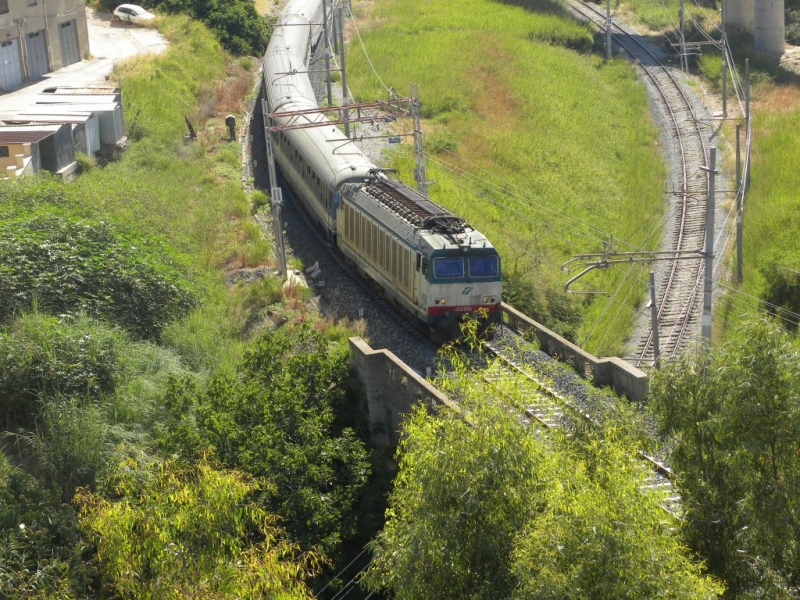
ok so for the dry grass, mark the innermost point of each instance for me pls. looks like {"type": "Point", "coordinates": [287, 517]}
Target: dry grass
{"type": "Point", "coordinates": [780, 100]}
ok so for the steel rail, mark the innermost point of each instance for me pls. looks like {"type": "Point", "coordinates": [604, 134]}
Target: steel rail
{"type": "Point", "coordinates": [678, 307]}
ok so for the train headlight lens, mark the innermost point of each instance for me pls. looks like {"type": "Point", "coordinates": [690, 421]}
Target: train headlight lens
{"type": "Point", "coordinates": [486, 300]}
{"type": "Point", "coordinates": [494, 300]}
{"type": "Point", "coordinates": [436, 301]}
{"type": "Point", "coordinates": [441, 301]}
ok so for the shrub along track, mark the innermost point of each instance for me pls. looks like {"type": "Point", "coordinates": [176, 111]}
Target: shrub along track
{"type": "Point", "coordinates": [679, 286]}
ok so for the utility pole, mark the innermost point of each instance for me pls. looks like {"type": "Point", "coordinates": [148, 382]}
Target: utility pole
{"type": "Point", "coordinates": [654, 321]}
{"type": "Point", "coordinates": [747, 122]}
{"type": "Point", "coordinates": [684, 62]}
{"type": "Point", "coordinates": [709, 248]}
{"type": "Point", "coordinates": [419, 153]}
{"type": "Point", "coordinates": [724, 89]}
{"type": "Point", "coordinates": [335, 28]}
{"type": "Point", "coordinates": [275, 193]}
{"type": "Point", "coordinates": [608, 29]}
{"type": "Point", "coordinates": [739, 197]}
{"type": "Point", "coordinates": [326, 41]}
{"type": "Point", "coordinates": [344, 74]}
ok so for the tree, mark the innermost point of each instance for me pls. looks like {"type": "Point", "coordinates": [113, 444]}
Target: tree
{"type": "Point", "coordinates": [484, 509]}
{"type": "Point", "coordinates": [734, 413]}
{"type": "Point", "coordinates": [190, 532]}
{"type": "Point", "coordinates": [284, 417]}
{"type": "Point", "coordinates": [237, 24]}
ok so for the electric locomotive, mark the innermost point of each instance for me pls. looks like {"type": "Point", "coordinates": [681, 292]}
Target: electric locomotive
{"type": "Point", "coordinates": [427, 261]}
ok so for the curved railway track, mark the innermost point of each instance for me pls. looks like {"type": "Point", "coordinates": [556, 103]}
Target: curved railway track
{"type": "Point", "coordinates": [678, 287]}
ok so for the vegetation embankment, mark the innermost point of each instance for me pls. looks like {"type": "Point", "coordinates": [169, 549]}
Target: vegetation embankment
{"type": "Point", "coordinates": [771, 256]}
{"type": "Point", "coordinates": [483, 508]}
{"type": "Point", "coordinates": [558, 144]}
{"type": "Point", "coordinates": [144, 452]}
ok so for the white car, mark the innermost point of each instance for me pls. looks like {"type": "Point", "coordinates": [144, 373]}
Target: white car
{"type": "Point", "coordinates": [133, 14]}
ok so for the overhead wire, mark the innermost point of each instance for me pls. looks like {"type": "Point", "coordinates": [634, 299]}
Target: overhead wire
{"type": "Point", "coordinates": [364, 48]}
{"type": "Point", "coordinates": [511, 193]}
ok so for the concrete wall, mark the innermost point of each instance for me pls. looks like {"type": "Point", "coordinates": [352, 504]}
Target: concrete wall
{"type": "Point", "coordinates": [763, 19]}
{"type": "Point", "coordinates": [392, 388]}
{"type": "Point", "coordinates": [623, 378]}
{"type": "Point", "coordinates": [48, 15]}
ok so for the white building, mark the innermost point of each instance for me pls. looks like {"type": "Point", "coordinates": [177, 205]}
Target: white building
{"type": "Point", "coordinates": [39, 36]}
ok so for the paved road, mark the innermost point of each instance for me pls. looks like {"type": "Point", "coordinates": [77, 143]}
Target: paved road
{"type": "Point", "coordinates": [109, 41]}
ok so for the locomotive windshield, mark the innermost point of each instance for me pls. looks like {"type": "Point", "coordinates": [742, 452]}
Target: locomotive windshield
{"type": "Point", "coordinates": [483, 266]}
{"type": "Point", "coordinates": [446, 267]}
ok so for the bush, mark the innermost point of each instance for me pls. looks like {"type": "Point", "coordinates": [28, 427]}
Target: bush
{"type": "Point", "coordinates": [39, 535]}
{"type": "Point", "coordinates": [44, 356]}
{"type": "Point", "coordinates": [69, 265]}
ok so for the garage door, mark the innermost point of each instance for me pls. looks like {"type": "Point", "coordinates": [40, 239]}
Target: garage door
{"type": "Point", "coordinates": [69, 43]}
{"type": "Point", "coordinates": [37, 54]}
{"type": "Point", "coordinates": [10, 65]}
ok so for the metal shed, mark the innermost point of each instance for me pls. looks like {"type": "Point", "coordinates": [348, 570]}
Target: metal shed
{"type": "Point", "coordinates": [85, 127]}
{"type": "Point", "coordinates": [112, 125]}
{"type": "Point", "coordinates": [51, 145]}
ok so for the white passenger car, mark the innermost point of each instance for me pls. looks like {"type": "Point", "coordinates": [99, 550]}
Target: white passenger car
{"type": "Point", "coordinates": [133, 14]}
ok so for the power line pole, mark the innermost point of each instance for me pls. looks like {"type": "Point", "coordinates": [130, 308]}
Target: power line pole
{"type": "Point", "coordinates": [684, 61]}
{"type": "Point", "coordinates": [419, 153]}
{"type": "Point", "coordinates": [709, 248]}
{"type": "Point", "coordinates": [275, 193]}
{"type": "Point", "coordinates": [335, 28]}
{"type": "Point", "coordinates": [608, 29]}
{"type": "Point", "coordinates": [747, 122]}
{"type": "Point", "coordinates": [724, 88]}
{"type": "Point", "coordinates": [326, 41]}
{"type": "Point", "coordinates": [654, 321]}
{"type": "Point", "coordinates": [344, 74]}
{"type": "Point", "coordinates": [739, 197]}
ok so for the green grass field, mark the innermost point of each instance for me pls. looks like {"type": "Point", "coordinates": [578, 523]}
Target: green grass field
{"type": "Point", "coordinates": [533, 139]}
{"type": "Point", "coordinates": [771, 250]}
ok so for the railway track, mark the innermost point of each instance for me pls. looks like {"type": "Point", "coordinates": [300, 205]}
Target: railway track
{"type": "Point", "coordinates": [514, 370]}
{"type": "Point", "coordinates": [679, 296]}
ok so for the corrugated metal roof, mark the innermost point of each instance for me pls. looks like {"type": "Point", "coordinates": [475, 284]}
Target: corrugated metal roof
{"type": "Point", "coordinates": [75, 98]}
{"type": "Point", "coordinates": [26, 134]}
{"type": "Point", "coordinates": [67, 109]}
{"type": "Point", "coordinates": [63, 89]}
{"type": "Point", "coordinates": [48, 118]}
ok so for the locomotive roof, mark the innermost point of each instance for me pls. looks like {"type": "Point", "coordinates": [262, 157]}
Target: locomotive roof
{"type": "Point", "coordinates": [413, 217]}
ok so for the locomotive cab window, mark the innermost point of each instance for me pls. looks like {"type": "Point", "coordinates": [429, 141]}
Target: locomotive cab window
{"type": "Point", "coordinates": [448, 267]}
{"type": "Point", "coordinates": [483, 266]}
{"type": "Point", "coordinates": [425, 266]}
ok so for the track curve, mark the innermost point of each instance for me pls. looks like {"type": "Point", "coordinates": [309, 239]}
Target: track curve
{"type": "Point", "coordinates": [678, 286]}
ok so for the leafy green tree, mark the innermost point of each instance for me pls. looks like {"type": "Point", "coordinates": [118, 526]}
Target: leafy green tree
{"type": "Point", "coordinates": [284, 417]}
{"type": "Point", "coordinates": [190, 532]}
{"type": "Point", "coordinates": [734, 413]}
{"type": "Point", "coordinates": [483, 509]}
{"type": "Point", "coordinates": [600, 537]}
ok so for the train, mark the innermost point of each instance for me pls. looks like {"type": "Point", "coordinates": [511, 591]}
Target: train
{"type": "Point", "coordinates": [428, 262]}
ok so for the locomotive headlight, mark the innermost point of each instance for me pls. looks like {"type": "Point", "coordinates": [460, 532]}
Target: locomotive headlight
{"type": "Point", "coordinates": [486, 300]}
{"type": "Point", "coordinates": [441, 301]}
